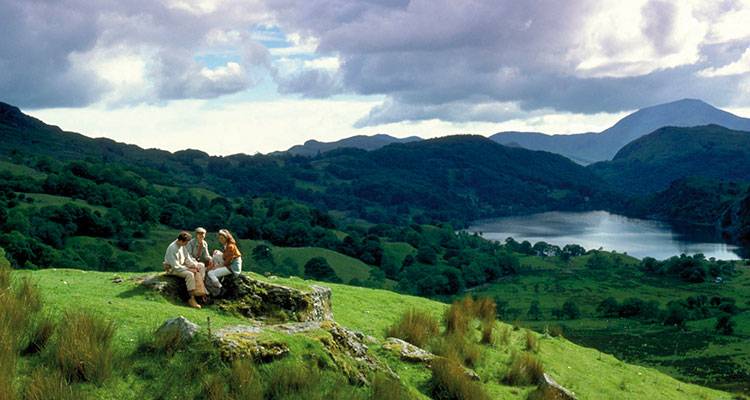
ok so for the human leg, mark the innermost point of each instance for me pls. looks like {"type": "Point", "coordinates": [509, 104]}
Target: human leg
{"type": "Point", "coordinates": [189, 278]}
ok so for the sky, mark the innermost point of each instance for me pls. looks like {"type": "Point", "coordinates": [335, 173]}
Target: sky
{"type": "Point", "coordinates": [237, 76]}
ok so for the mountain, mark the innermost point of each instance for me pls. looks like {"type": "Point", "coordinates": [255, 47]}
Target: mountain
{"type": "Point", "coordinates": [587, 148]}
{"type": "Point", "coordinates": [654, 161]}
{"type": "Point", "coordinates": [466, 176]}
{"type": "Point", "coordinates": [452, 178]}
{"type": "Point", "coordinates": [313, 147]}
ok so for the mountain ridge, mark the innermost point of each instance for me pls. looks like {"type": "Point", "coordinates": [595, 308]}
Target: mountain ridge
{"type": "Point", "coordinates": [587, 148]}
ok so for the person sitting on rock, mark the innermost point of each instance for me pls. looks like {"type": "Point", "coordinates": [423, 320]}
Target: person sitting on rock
{"type": "Point", "coordinates": [197, 248]}
{"type": "Point", "coordinates": [178, 263]}
{"type": "Point", "coordinates": [224, 263]}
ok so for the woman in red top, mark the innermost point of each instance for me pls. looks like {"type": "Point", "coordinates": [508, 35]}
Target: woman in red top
{"type": "Point", "coordinates": [224, 263]}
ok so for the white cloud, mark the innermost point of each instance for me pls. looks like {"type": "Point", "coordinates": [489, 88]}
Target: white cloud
{"type": "Point", "coordinates": [633, 38]}
{"type": "Point", "coordinates": [267, 126]}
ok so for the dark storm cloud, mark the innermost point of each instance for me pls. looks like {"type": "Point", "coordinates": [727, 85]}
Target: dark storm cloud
{"type": "Point", "coordinates": [46, 49]}
{"type": "Point", "coordinates": [457, 60]}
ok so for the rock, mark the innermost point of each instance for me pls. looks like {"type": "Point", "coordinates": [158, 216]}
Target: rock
{"type": "Point", "coordinates": [170, 286]}
{"type": "Point", "coordinates": [296, 327]}
{"type": "Point", "coordinates": [551, 390]}
{"type": "Point", "coordinates": [118, 279]}
{"type": "Point", "coordinates": [177, 330]}
{"type": "Point", "coordinates": [471, 374]}
{"type": "Point", "coordinates": [348, 351]}
{"type": "Point", "coordinates": [244, 341]}
{"type": "Point", "coordinates": [407, 351]}
{"type": "Point", "coordinates": [255, 299]}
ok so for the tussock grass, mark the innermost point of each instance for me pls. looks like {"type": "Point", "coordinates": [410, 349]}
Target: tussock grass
{"type": "Point", "coordinates": [458, 347]}
{"type": "Point", "coordinates": [385, 387]}
{"type": "Point", "coordinates": [19, 305]}
{"type": "Point", "coordinates": [449, 382]}
{"type": "Point", "coordinates": [532, 343]}
{"type": "Point", "coordinates": [486, 309]}
{"type": "Point", "coordinates": [524, 370]}
{"type": "Point", "coordinates": [504, 335]}
{"type": "Point", "coordinates": [458, 316]}
{"type": "Point", "coordinates": [416, 327]}
{"type": "Point", "coordinates": [555, 330]}
{"type": "Point", "coordinates": [39, 336]}
{"type": "Point", "coordinates": [48, 384]}
{"type": "Point", "coordinates": [488, 329]}
{"type": "Point", "coordinates": [245, 382]}
{"type": "Point", "coordinates": [83, 349]}
{"type": "Point", "coordinates": [289, 378]}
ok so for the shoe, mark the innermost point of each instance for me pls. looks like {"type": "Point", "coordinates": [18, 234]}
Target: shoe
{"type": "Point", "coordinates": [193, 303]}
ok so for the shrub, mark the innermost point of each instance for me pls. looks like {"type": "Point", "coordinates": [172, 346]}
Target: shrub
{"type": "Point", "coordinates": [48, 385]}
{"type": "Point", "coordinates": [570, 309]}
{"type": "Point", "coordinates": [318, 268]}
{"type": "Point", "coordinates": [415, 327]}
{"type": "Point", "coordinates": [524, 370]}
{"type": "Point", "coordinates": [83, 350]}
{"type": "Point", "coordinates": [532, 343]}
{"type": "Point", "coordinates": [449, 382]}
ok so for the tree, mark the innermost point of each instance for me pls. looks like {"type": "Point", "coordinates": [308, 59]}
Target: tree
{"type": "Point", "coordinates": [535, 312]}
{"type": "Point", "coordinates": [570, 309]}
{"type": "Point", "coordinates": [262, 253]}
{"type": "Point", "coordinates": [724, 324]}
{"type": "Point", "coordinates": [609, 307]}
{"type": "Point", "coordinates": [318, 268]}
{"type": "Point", "coordinates": [426, 255]}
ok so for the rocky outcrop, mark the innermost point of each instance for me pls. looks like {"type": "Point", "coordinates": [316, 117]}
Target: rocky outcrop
{"type": "Point", "coordinates": [257, 299]}
{"type": "Point", "coordinates": [407, 351]}
{"type": "Point", "coordinates": [245, 341]}
{"type": "Point", "coordinates": [411, 353]}
{"type": "Point", "coordinates": [177, 330]}
{"type": "Point", "coordinates": [348, 350]}
{"type": "Point", "coordinates": [551, 390]}
{"type": "Point", "coordinates": [254, 298]}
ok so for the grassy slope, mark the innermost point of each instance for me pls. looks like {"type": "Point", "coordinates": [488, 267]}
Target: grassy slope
{"type": "Point", "coordinates": [697, 355]}
{"type": "Point", "coordinates": [137, 312]}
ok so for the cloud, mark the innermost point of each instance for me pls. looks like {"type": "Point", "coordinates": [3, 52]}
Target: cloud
{"type": "Point", "coordinates": [460, 60]}
{"type": "Point", "coordinates": [64, 53]}
{"type": "Point", "coordinates": [741, 66]}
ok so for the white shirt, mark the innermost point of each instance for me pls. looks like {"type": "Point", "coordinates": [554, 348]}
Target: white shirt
{"type": "Point", "coordinates": [175, 255]}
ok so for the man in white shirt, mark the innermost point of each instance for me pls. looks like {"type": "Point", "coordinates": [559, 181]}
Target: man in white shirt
{"type": "Point", "coordinates": [178, 263]}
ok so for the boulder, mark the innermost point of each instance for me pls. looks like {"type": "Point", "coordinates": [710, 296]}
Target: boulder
{"type": "Point", "coordinates": [407, 351]}
{"type": "Point", "coordinates": [551, 390]}
{"type": "Point", "coordinates": [245, 341]}
{"type": "Point", "coordinates": [177, 331]}
{"type": "Point", "coordinates": [257, 299]}
{"type": "Point", "coordinates": [253, 298]}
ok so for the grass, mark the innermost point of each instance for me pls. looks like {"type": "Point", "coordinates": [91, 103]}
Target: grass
{"type": "Point", "coordinates": [416, 327]}
{"type": "Point", "coordinates": [83, 349]}
{"type": "Point", "coordinates": [524, 370]}
{"type": "Point", "coordinates": [137, 313]}
{"type": "Point", "coordinates": [449, 382]}
{"type": "Point", "coordinates": [698, 355]}
{"type": "Point", "coordinates": [41, 200]}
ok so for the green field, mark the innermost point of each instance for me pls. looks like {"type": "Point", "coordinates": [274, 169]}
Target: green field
{"type": "Point", "coordinates": [697, 354]}
{"type": "Point", "coordinates": [589, 373]}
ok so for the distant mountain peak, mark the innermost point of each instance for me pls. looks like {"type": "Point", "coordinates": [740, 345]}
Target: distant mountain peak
{"type": "Point", "coordinates": [314, 147]}
{"type": "Point", "coordinates": [592, 147]}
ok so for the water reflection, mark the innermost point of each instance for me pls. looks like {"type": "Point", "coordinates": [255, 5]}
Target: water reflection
{"type": "Point", "coordinates": [595, 229]}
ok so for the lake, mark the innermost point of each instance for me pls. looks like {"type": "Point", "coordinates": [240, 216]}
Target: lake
{"type": "Point", "coordinates": [592, 230]}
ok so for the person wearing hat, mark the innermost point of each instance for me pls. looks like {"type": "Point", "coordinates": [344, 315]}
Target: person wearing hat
{"type": "Point", "coordinates": [224, 263]}
{"type": "Point", "coordinates": [197, 248]}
